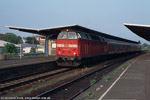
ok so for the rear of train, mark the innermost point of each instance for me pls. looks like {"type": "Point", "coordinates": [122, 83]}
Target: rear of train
{"type": "Point", "coordinates": [67, 52]}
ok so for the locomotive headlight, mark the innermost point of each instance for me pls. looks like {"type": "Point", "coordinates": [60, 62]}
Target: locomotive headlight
{"type": "Point", "coordinates": [74, 53]}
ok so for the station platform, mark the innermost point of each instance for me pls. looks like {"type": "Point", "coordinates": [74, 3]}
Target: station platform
{"type": "Point", "coordinates": [25, 61]}
{"type": "Point", "coordinates": [131, 84]}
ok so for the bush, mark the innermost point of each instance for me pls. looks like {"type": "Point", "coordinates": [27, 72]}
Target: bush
{"type": "Point", "coordinates": [9, 48]}
{"type": "Point", "coordinates": [32, 50]}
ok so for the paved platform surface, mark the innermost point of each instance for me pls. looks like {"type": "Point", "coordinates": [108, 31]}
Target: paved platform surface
{"type": "Point", "coordinates": [134, 84]}
{"type": "Point", "coordinates": [18, 62]}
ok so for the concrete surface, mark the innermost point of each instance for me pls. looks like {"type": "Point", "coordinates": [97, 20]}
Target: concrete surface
{"type": "Point", "coordinates": [18, 62]}
{"type": "Point", "coordinates": [133, 85]}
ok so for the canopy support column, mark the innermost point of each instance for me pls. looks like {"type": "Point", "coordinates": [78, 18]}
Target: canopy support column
{"type": "Point", "coordinates": [46, 45]}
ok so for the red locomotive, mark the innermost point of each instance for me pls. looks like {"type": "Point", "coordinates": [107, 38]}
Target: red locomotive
{"type": "Point", "coordinates": [75, 47]}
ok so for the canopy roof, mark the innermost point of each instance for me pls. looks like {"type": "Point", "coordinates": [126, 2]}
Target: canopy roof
{"type": "Point", "coordinates": [140, 30]}
{"type": "Point", "coordinates": [28, 45]}
{"type": "Point", "coordinates": [53, 31]}
{"type": "Point", "coordinates": [43, 31]}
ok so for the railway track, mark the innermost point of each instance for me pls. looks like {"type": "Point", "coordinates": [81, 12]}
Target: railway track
{"type": "Point", "coordinates": [16, 83]}
{"type": "Point", "coordinates": [70, 89]}
{"type": "Point", "coordinates": [25, 70]}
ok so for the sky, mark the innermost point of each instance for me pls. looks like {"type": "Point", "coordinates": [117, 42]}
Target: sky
{"type": "Point", "coordinates": [106, 16]}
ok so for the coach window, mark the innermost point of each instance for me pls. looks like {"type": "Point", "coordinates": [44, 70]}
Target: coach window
{"type": "Point", "coordinates": [62, 35]}
{"type": "Point", "coordinates": [72, 35]}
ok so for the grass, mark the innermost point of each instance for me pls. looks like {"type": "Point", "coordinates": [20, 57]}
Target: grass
{"type": "Point", "coordinates": [122, 67]}
{"type": "Point", "coordinates": [10, 92]}
{"type": "Point", "coordinates": [43, 80]}
{"type": "Point", "coordinates": [106, 78]}
{"type": "Point", "coordinates": [116, 71]}
{"type": "Point", "coordinates": [32, 89]}
{"type": "Point", "coordinates": [92, 82]}
{"type": "Point", "coordinates": [89, 95]}
{"type": "Point", "coordinates": [29, 91]}
{"type": "Point", "coordinates": [81, 90]}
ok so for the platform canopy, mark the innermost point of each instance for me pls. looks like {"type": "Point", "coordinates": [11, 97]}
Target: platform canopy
{"type": "Point", "coordinates": [44, 31]}
{"type": "Point", "coordinates": [53, 31]}
{"type": "Point", "coordinates": [140, 30]}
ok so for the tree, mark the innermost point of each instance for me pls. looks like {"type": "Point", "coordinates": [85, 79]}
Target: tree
{"type": "Point", "coordinates": [145, 45]}
{"type": "Point", "coordinates": [9, 48]}
{"type": "Point", "coordinates": [12, 38]}
{"type": "Point", "coordinates": [32, 50]}
{"type": "Point", "coordinates": [31, 40]}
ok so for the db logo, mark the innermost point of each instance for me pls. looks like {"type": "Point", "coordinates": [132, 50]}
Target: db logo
{"type": "Point", "coordinates": [66, 45]}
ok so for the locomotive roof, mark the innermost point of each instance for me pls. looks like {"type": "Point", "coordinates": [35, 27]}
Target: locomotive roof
{"type": "Point", "coordinates": [140, 30]}
{"type": "Point", "coordinates": [53, 31]}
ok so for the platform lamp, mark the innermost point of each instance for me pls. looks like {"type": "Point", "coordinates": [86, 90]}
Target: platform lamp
{"type": "Point", "coordinates": [20, 51]}
{"type": "Point", "coordinates": [33, 38]}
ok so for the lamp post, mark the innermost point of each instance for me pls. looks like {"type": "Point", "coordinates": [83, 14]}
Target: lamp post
{"type": "Point", "coordinates": [20, 51]}
{"type": "Point", "coordinates": [33, 38]}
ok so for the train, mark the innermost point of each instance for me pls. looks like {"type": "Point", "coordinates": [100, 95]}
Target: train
{"type": "Point", "coordinates": [75, 47]}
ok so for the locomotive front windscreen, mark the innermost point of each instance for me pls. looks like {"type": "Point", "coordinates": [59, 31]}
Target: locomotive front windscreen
{"type": "Point", "coordinates": [72, 35]}
{"type": "Point", "coordinates": [62, 35]}
{"type": "Point", "coordinates": [69, 35]}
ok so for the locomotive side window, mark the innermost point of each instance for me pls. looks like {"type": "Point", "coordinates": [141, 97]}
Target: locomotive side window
{"type": "Point", "coordinates": [84, 36]}
{"type": "Point", "coordinates": [95, 37]}
{"type": "Point", "coordinates": [62, 35]}
{"type": "Point", "coordinates": [72, 35]}
{"type": "Point", "coordinates": [103, 39]}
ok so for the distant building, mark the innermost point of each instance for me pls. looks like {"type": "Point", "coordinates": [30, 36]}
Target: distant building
{"type": "Point", "coordinates": [41, 39]}
{"type": "Point", "coordinates": [27, 47]}
{"type": "Point", "coordinates": [39, 48]}
{"type": "Point", "coordinates": [1, 34]}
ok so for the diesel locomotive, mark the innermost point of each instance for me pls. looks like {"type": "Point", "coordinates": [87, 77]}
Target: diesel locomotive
{"type": "Point", "coordinates": [75, 47]}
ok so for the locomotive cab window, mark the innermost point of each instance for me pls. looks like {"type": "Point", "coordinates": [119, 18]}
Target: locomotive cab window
{"type": "Point", "coordinates": [62, 35]}
{"type": "Point", "coordinates": [72, 35]}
